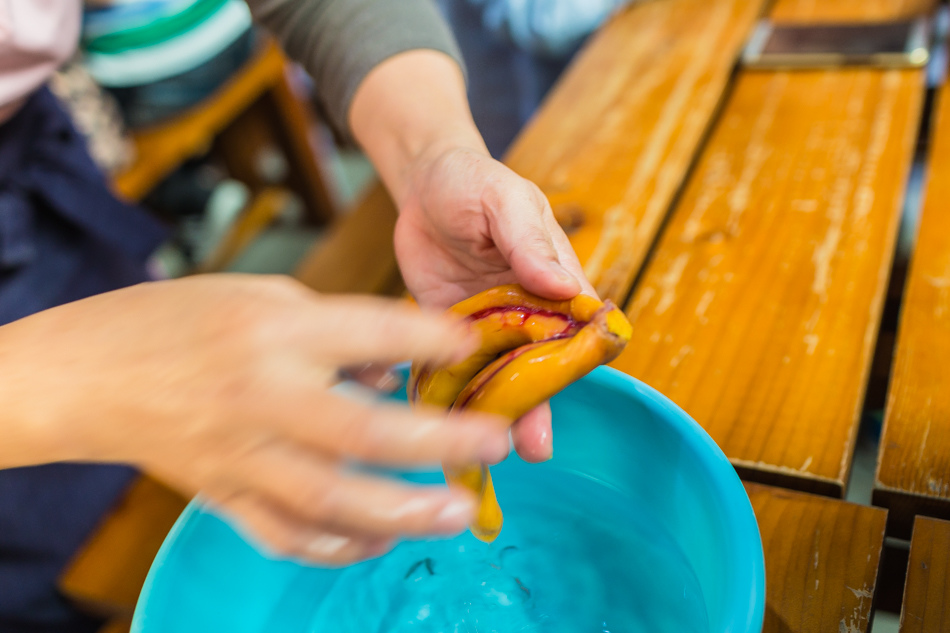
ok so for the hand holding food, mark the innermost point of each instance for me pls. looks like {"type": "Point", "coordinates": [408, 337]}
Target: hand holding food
{"type": "Point", "coordinates": [220, 384]}
{"type": "Point", "coordinates": [531, 349]}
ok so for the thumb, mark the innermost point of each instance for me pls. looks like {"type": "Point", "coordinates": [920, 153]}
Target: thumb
{"type": "Point", "coordinates": [523, 236]}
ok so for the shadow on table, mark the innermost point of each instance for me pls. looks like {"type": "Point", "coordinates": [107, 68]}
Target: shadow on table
{"type": "Point", "coordinates": [774, 622]}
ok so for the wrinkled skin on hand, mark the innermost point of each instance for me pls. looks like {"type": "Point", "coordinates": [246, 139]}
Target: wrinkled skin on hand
{"type": "Point", "coordinates": [469, 223]}
{"type": "Point", "coordinates": [221, 384]}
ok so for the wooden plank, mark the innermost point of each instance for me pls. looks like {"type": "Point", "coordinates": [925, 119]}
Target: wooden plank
{"type": "Point", "coordinates": [927, 589]}
{"type": "Point", "coordinates": [846, 10]}
{"type": "Point", "coordinates": [107, 574]}
{"type": "Point", "coordinates": [759, 310]}
{"type": "Point", "coordinates": [613, 142]}
{"type": "Point", "coordinates": [913, 471]}
{"type": "Point", "coordinates": [357, 255]}
{"type": "Point", "coordinates": [821, 560]}
{"type": "Point", "coordinates": [162, 148]}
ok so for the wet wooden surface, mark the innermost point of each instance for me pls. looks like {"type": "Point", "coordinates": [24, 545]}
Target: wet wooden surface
{"type": "Point", "coordinates": [759, 310]}
{"type": "Point", "coordinates": [612, 144]}
{"type": "Point", "coordinates": [913, 473]}
{"type": "Point", "coordinates": [821, 560]}
{"type": "Point", "coordinates": [927, 589]}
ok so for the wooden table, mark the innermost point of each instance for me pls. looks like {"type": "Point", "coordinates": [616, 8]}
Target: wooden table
{"type": "Point", "coordinates": [747, 220]}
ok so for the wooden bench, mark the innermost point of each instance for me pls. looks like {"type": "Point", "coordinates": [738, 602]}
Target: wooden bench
{"type": "Point", "coordinates": [913, 471]}
{"type": "Point", "coordinates": [821, 560]}
{"type": "Point", "coordinates": [927, 588]}
{"type": "Point", "coordinates": [759, 309]}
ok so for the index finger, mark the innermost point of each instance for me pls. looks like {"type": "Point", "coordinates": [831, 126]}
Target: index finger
{"type": "Point", "coordinates": [368, 329]}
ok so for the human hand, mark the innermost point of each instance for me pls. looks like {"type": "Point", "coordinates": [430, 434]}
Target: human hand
{"type": "Point", "coordinates": [220, 385]}
{"type": "Point", "coordinates": [466, 222]}
{"type": "Point", "coordinates": [469, 223]}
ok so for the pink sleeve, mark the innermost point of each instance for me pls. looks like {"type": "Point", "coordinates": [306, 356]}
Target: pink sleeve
{"type": "Point", "coordinates": [36, 37]}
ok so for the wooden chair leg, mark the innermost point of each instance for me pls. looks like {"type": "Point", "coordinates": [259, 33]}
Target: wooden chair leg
{"type": "Point", "coordinates": [280, 122]}
{"type": "Point", "coordinates": [260, 213]}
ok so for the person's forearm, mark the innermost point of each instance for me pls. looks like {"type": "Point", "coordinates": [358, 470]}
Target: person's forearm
{"type": "Point", "coordinates": [29, 436]}
{"type": "Point", "coordinates": [340, 42]}
{"type": "Point", "coordinates": [410, 107]}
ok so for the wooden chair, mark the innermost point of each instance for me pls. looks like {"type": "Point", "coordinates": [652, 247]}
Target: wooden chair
{"type": "Point", "coordinates": [254, 109]}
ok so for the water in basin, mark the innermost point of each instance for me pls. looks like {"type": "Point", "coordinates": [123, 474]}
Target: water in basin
{"type": "Point", "coordinates": [581, 560]}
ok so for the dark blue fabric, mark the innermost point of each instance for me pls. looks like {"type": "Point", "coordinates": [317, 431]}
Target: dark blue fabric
{"type": "Point", "coordinates": [505, 83]}
{"type": "Point", "coordinates": [63, 237]}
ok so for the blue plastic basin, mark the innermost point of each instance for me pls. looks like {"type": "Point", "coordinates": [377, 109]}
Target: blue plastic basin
{"type": "Point", "coordinates": [639, 523]}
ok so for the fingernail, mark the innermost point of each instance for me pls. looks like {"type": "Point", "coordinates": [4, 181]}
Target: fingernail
{"type": "Point", "coordinates": [327, 544]}
{"type": "Point", "coordinates": [495, 449]}
{"type": "Point", "coordinates": [388, 382]}
{"type": "Point", "coordinates": [455, 516]}
{"type": "Point", "coordinates": [548, 442]}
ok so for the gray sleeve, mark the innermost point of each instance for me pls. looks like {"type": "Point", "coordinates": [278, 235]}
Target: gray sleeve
{"type": "Point", "coordinates": [340, 41]}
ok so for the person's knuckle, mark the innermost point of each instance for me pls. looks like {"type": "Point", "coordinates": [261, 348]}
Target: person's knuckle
{"type": "Point", "coordinates": [284, 287]}
{"type": "Point", "coordinates": [362, 438]}
{"type": "Point", "coordinates": [319, 500]}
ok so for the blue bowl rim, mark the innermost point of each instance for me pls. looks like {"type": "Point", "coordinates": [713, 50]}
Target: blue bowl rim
{"type": "Point", "coordinates": [739, 516]}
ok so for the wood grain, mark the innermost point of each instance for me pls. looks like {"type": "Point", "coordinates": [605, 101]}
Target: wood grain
{"type": "Point", "coordinates": [759, 310]}
{"type": "Point", "coordinates": [847, 10]}
{"type": "Point", "coordinates": [821, 560]}
{"type": "Point", "coordinates": [913, 472]}
{"type": "Point", "coordinates": [927, 589]}
{"type": "Point", "coordinates": [613, 142]}
{"type": "Point", "coordinates": [107, 574]}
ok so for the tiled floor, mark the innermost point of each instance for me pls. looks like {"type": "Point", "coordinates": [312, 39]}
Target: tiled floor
{"type": "Point", "coordinates": [885, 622]}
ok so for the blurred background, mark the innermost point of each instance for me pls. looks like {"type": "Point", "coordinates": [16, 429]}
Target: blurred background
{"type": "Point", "coordinates": [193, 112]}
